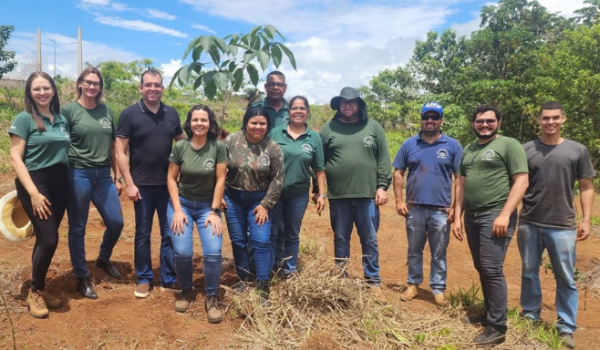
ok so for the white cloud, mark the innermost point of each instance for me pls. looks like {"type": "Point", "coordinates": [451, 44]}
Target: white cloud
{"type": "Point", "coordinates": [169, 69]}
{"type": "Point", "coordinates": [95, 2]}
{"type": "Point", "coordinates": [160, 14]}
{"type": "Point", "coordinates": [139, 25]}
{"type": "Point", "coordinates": [565, 8]}
{"type": "Point", "coordinates": [203, 28]}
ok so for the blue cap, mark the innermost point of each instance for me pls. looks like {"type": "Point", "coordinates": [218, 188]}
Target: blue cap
{"type": "Point", "coordinates": [433, 107]}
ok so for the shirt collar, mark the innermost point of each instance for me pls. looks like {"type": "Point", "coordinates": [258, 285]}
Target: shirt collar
{"type": "Point", "coordinates": [442, 138]}
{"type": "Point", "coordinates": [265, 104]}
{"type": "Point", "coordinates": [144, 109]}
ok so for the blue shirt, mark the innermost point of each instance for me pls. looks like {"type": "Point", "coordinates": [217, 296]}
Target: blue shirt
{"type": "Point", "coordinates": [430, 167]}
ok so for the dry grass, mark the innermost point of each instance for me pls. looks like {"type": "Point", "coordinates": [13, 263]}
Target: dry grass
{"type": "Point", "coordinates": [592, 279]}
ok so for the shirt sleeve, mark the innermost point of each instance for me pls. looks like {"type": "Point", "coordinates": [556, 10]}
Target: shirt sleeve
{"type": "Point", "coordinates": [400, 159]}
{"type": "Point", "coordinates": [516, 158]}
{"type": "Point", "coordinates": [384, 163]}
{"type": "Point", "coordinates": [176, 156]}
{"type": "Point", "coordinates": [221, 152]}
{"type": "Point", "coordinates": [462, 171]}
{"type": "Point", "coordinates": [178, 129]}
{"type": "Point", "coordinates": [124, 125]}
{"type": "Point", "coordinates": [277, 172]}
{"type": "Point", "coordinates": [457, 157]}
{"type": "Point", "coordinates": [318, 161]}
{"type": "Point", "coordinates": [585, 168]}
{"type": "Point", "coordinates": [21, 126]}
{"type": "Point", "coordinates": [111, 116]}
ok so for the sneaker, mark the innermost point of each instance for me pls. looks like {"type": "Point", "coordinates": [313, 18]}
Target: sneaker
{"type": "Point", "coordinates": [213, 313]}
{"type": "Point", "coordinates": [440, 300]}
{"type": "Point", "coordinates": [51, 301]}
{"type": "Point", "coordinates": [142, 290]}
{"type": "Point", "coordinates": [410, 293]}
{"type": "Point", "coordinates": [184, 301]}
{"type": "Point", "coordinates": [174, 287]}
{"type": "Point", "coordinates": [490, 336]}
{"type": "Point", "coordinates": [475, 319]}
{"type": "Point", "coordinates": [242, 286]}
{"type": "Point", "coordinates": [567, 340]}
{"type": "Point", "coordinates": [37, 304]}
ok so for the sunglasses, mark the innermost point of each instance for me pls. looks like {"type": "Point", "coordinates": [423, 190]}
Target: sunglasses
{"type": "Point", "coordinates": [486, 121]}
{"type": "Point", "coordinates": [434, 117]}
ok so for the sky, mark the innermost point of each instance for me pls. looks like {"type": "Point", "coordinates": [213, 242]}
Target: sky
{"type": "Point", "coordinates": [336, 43]}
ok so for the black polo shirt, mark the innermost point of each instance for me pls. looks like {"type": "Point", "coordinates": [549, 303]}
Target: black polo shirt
{"type": "Point", "coordinates": [150, 141]}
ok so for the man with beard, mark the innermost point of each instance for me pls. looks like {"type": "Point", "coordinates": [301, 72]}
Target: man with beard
{"type": "Point", "coordinates": [493, 179]}
{"type": "Point", "coordinates": [431, 159]}
{"type": "Point", "coordinates": [275, 105]}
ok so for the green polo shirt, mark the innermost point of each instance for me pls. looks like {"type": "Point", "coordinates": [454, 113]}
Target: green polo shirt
{"type": "Point", "coordinates": [198, 168]}
{"type": "Point", "coordinates": [92, 133]}
{"type": "Point", "coordinates": [277, 118]}
{"type": "Point", "coordinates": [42, 149]}
{"type": "Point", "coordinates": [301, 157]}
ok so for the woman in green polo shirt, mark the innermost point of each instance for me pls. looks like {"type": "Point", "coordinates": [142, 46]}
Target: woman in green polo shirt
{"type": "Point", "coordinates": [39, 146]}
{"type": "Point", "coordinates": [200, 164]}
{"type": "Point", "coordinates": [303, 155]}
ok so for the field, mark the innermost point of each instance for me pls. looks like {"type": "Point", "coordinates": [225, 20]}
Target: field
{"type": "Point", "coordinates": [117, 320]}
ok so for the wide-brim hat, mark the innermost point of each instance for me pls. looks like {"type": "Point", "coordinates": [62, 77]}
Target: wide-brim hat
{"type": "Point", "coordinates": [347, 93]}
{"type": "Point", "coordinates": [14, 224]}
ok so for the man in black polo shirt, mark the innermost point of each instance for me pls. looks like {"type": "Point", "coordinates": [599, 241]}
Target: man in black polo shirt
{"type": "Point", "coordinates": [147, 129]}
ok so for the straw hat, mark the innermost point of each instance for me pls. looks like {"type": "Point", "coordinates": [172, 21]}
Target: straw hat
{"type": "Point", "coordinates": [15, 224]}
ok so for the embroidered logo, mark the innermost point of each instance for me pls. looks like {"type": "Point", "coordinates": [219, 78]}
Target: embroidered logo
{"type": "Point", "coordinates": [64, 131]}
{"type": "Point", "coordinates": [307, 148]}
{"type": "Point", "coordinates": [488, 155]}
{"type": "Point", "coordinates": [286, 120]}
{"type": "Point", "coordinates": [264, 160]}
{"type": "Point", "coordinates": [209, 164]}
{"type": "Point", "coordinates": [105, 123]}
{"type": "Point", "coordinates": [369, 141]}
{"type": "Point", "coordinates": [442, 154]}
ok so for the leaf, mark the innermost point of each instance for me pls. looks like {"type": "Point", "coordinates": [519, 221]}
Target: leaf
{"type": "Point", "coordinates": [221, 45]}
{"type": "Point", "coordinates": [248, 56]}
{"type": "Point", "coordinates": [215, 55]}
{"type": "Point", "coordinates": [255, 43]}
{"type": "Point", "coordinates": [254, 31]}
{"type": "Point", "coordinates": [233, 49]}
{"type": "Point", "coordinates": [238, 79]}
{"type": "Point", "coordinates": [224, 63]}
{"type": "Point", "coordinates": [253, 73]}
{"type": "Point", "coordinates": [288, 53]}
{"type": "Point", "coordinates": [184, 74]}
{"type": "Point", "coordinates": [210, 90]}
{"type": "Point", "coordinates": [232, 66]}
{"type": "Point", "coordinates": [207, 78]}
{"type": "Point", "coordinates": [276, 55]}
{"type": "Point", "coordinates": [206, 41]}
{"type": "Point", "coordinates": [221, 81]}
{"type": "Point", "coordinates": [198, 82]}
{"type": "Point", "coordinates": [263, 58]}
{"type": "Point", "coordinates": [175, 78]}
{"type": "Point", "coordinates": [196, 53]}
{"type": "Point", "coordinates": [191, 46]}
{"type": "Point", "coordinates": [270, 31]}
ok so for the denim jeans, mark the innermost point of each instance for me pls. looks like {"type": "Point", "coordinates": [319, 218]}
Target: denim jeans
{"type": "Point", "coordinates": [95, 185]}
{"type": "Point", "coordinates": [427, 225]}
{"type": "Point", "coordinates": [365, 214]}
{"type": "Point", "coordinates": [488, 254]}
{"type": "Point", "coordinates": [244, 232]}
{"type": "Point", "coordinates": [154, 199]}
{"type": "Point", "coordinates": [285, 231]}
{"type": "Point", "coordinates": [196, 212]}
{"type": "Point", "coordinates": [560, 244]}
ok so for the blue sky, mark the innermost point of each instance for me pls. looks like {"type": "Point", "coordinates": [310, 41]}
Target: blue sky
{"type": "Point", "coordinates": [337, 43]}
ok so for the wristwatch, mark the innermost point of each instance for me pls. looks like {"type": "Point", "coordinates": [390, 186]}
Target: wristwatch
{"type": "Point", "coordinates": [215, 210]}
{"type": "Point", "coordinates": [120, 179]}
{"type": "Point", "coordinates": [323, 195]}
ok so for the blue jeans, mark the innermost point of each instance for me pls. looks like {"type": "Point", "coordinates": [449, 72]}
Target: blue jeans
{"type": "Point", "coordinates": [244, 232]}
{"type": "Point", "coordinates": [488, 254]}
{"type": "Point", "coordinates": [285, 231]}
{"type": "Point", "coordinates": [196, 212]}
{"type": "Point", "coordinates": [95, 185]}
{"type": "Point", "coordinates": [427, 225]}
{"type": "Point", "coordinates": [365, 214]}
{"type": "Point", "coordinates": [154, 199]}
{"type": "Point", "coordinates": [560, 244]}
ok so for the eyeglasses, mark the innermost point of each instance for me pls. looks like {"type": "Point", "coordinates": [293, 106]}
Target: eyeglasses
{"type": "Point", "coordinates": [150, 85]}
{"type": "Point", "coordinates": [352, 103]}
{"type": "Point", "coordinates": [275, 84]}
{"type": "Point", "coordinates": [89, 83]}
{"type": "Point", "coordinates": [39, 90]}
{"type": "Point", "coordinates": [434, 117]}
{"type": "Point", "coordinates": [485, 121]}
{"type": "Point", "coordinates": [298, 108]}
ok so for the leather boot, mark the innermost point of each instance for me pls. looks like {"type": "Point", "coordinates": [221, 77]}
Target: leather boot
{"type": "Point", "coordinates": [84, 286]}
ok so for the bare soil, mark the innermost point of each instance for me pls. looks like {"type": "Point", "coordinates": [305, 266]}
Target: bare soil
{"type": "Point", "coordinates": [118, 320]}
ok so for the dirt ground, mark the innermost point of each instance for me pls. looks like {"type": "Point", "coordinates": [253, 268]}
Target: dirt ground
{"type": "Point", "coordinates": [117, 320]}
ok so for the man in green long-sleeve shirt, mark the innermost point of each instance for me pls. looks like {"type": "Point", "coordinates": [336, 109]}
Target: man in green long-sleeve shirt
{"type": "Point", "coordinates": [359, 171]}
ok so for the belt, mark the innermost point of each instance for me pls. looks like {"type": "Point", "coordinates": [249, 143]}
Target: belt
{"type": "Point", "coordinates": [430, 207]}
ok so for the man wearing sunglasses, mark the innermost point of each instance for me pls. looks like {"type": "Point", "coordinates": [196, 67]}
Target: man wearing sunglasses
{"type": "Point", "coordinates": [431, 159]}
{"type": "Point", "coordinates": [275, 105]}
{"type": "Point", "coordinates": [493, 179]}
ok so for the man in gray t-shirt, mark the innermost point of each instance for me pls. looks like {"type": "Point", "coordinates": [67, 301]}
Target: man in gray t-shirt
{"type": "Point", "coordinates": [547, 219]}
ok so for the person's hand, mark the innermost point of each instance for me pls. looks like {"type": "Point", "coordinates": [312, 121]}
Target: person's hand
{"type": "Point", "coordinates": [457, 230]}
{"type": "Point", "coordinates": [133, 193]}
{"type": "Point", "coordinates": [320, 205]}
{"type": "Point", "coordinates": [500, 228]}
{"type": "Point", "coordinates": [401, 208]}
{"type": "Point", "coordinates": [381, 197]}
{"type": "Point", "coordinates": [583, 231]}
{"type": "Point", "coordinates": [315, 198]}
{"type": "Point", "coordinates": [450, 212]}
{"type": "Point", "coordinates": [215, 221]}
{"type": "Point", "coordinates": [119, 187]}
{"type": "Point", "coordinates": [261, 215]}
{"type": "Point", "coordinates": [41, 206]}
{"type": "Point", "coordinates": [179, 222]}
{"type": "Point", "coordinates": [223, 204]}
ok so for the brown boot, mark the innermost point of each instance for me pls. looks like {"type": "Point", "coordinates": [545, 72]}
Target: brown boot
{"type": "Point", "coordinates": [213, 313]}
{"type": "Point", "coordinates": [410, 293]}
{"type": "Point", "coordinates": [184, 301]}
{"type": "Point", "coordinates": [51, 301]}
{"type": "Point", "coordinates": [440, 300]}
{"type": "Point", "coordinates": [36, 304]}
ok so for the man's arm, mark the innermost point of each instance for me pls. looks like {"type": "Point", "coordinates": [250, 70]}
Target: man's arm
{"type": "Point", "coordinates": [180, 137]}
{"type": "Point", "coordinates": [520, 184]}
{"type": "Point", "coordinates": [586, 189]}
{"type": "Point", "coordinates": [131, 190]}
{"type": "Point", "coordinates": [450, 218]}
{"type": "Point", "coordinates": [401, 207]}
{"type": "Point", "coordinates": [459, 202]}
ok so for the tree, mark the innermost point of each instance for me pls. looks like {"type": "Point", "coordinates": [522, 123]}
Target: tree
{"type": "Point", "coordinates": [7, 62]}
{"type": "Point", "coordinates": [588, 15]}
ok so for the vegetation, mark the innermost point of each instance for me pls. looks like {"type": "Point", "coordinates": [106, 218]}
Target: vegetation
{"type": "Point", "coordinates": [7, 58]}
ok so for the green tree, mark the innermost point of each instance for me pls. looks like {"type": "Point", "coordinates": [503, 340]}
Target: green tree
{"type": "Point", "coordinates": [7, 61]}
{"type": "Point", "coordinates": [588, 15]}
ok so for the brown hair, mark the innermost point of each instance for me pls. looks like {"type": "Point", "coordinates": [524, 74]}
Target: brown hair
{"type": "Point", "coordinates": [30, 105]}
{"type": "Point", "coordinates": [87, 71]}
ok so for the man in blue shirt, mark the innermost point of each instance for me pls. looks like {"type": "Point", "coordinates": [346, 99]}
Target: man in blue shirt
{"type": "Point", "coordinates": [431, 159]}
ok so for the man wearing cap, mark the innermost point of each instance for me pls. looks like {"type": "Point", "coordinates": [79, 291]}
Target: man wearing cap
{"type": "Point", "coordinates": [493, 179]}
{"type": "Point", "coordinates": [547, 219]}
{"type": "Point", "coordinates": [275, 105]}
{"type": "Point", "coordinates": [148, 129]}
{"type": "Point", "coordinates": [431, 159]}
{"type": "Point", "coordinates": [359, 172]}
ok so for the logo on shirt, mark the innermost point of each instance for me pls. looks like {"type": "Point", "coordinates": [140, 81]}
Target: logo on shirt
{"type": "Point", "coordinates": [369, 141]}
{"type": "Point", "coordinates": [13, 127]}
{"type": "Point", "coordinates": [64, 131]}
{"type": "Point", "coordinates": [307, 148]}
{"type": "Point", "coordinates": [105, 123]}
{"type": "Point", "coordinates": [286, 120]}
{"type": "Point", "coordinates": [442, 154]}
{"type": "Point", "coordinates": [264, 160]}
{"type": "Point", "coordinates": [209, 164]}
{"type": "Point", "coordinates": [488, 155]}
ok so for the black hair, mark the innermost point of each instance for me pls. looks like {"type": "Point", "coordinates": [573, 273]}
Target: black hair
{"type": "Point", "coordinates": [304, 99]}
{"type": "Point", "coordinates": [486, 108]}
{"type": "Point", "coordinates": [213, 128]}
{"type": "Point", "coordinates": [151, 71]}
{"type": "Point", "coordinates": [275, 72]}
{"type": "Point", "coordinates": [550, 105]}
{"type": "Point", "coordinates": [253, 112]}
{"type": "Point", "coordinates": [30, 105]}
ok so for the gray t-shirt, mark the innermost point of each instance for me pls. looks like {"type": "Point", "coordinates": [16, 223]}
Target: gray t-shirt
{"type": "Point", "coordinates": [553, 170]}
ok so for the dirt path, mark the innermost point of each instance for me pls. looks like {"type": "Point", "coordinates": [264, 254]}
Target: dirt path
{"type": "Point", "coordinates": [117, 320]}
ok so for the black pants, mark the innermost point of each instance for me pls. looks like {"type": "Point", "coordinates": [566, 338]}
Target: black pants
{"type": "Point", "coordinates": [52, 183]}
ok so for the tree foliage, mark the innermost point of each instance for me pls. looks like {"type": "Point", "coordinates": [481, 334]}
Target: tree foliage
{"type": "Point", "coordinates": [7, 58]}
